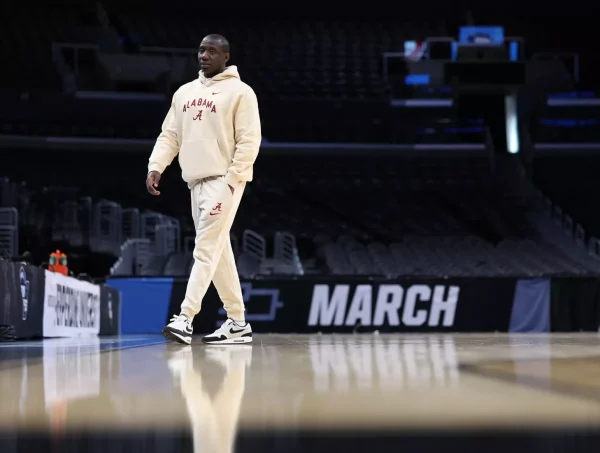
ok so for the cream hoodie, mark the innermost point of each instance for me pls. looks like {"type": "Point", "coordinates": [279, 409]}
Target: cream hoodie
{"type": "Point", "coordinates": [214, 125]}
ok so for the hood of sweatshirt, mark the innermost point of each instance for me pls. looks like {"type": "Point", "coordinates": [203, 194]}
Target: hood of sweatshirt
{"type": "Point", "coordinates": [230, 72]}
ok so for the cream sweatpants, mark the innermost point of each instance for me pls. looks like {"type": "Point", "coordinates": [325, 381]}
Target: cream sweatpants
{"type": "Point", "coordinates": [213, 210]}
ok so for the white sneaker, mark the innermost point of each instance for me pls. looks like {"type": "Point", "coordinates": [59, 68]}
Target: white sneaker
{"type": "Point", "coordinates": [230, 333]}
{"type": "Point", "coordinates": [179, 329]}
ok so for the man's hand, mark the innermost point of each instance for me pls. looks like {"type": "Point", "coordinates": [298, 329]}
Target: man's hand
{"type": "Point", "coordinates": [152, 181]}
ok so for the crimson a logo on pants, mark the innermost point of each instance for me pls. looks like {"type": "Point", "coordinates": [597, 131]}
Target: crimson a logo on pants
{"type": "Point", "coordinates": [387, 304]}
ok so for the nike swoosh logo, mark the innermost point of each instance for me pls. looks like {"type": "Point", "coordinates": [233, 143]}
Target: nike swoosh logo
{"type": "Point", "coordinates": [218, 92]}
{"type": "Point", "coordinates": [215, 213]}
{"type": "Point", "coordinates": [236, 331]}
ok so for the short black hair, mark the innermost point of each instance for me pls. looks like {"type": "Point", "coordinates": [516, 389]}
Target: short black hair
{"type": "Point", "coordinates": [220, 40]}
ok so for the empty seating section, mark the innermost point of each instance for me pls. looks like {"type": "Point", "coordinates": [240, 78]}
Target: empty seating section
{"type": "Point", "coordinates": [28, 31]}
{"type": "Point", "coordinates": [573, 185]}
{"type": "Point", "coordinates": [283, 58]}
{"type": "Point", "coordinates": [143, 242]}
{"type": "Point", "coordinates": [387, 216]}
{"type": "Point", "coordinates": [291, 63]}
{"type": "Point", "coordinates": [414, 216]}
{"type": "Point", "coordinates": [358, 196]}
{"type": "Point", "coordinates": [294, 58]}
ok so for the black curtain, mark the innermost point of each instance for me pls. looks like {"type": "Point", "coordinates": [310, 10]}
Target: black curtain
{"type": "Point", "coordinates": [575, 304]}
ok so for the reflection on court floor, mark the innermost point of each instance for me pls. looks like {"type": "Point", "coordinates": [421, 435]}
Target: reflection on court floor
{"type": "Point", "coordinates": [287, 383]}
{"type": "Point", "coordinates": [385, 365]}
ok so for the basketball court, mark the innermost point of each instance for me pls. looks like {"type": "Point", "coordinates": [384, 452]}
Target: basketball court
{"type": "Point", "coordinates": [293, 392]}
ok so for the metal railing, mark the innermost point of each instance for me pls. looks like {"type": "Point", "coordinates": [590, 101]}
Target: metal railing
{"type": "Point", "coordinates": [148, 223]}
{"type": "Point", "coordinates": [130, 223]}
{"type": "Point", "coordinates": [106, 228]}
{"type": "Point", "coordinates": [286, 252]}
{"type": "Point", "coordinates": [254, 245]}
{"type": "Point", "coordinates": [65, 221]}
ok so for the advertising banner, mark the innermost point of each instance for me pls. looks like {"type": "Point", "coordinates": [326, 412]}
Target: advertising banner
{"type": "Point", "coordinates": [338, 305]}
{"type": "Point", "coordinates": [344, 305]}
{"type": "Point", "coordinates": [71, 307]}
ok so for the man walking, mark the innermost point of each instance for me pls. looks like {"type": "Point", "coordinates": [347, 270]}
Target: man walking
{"type": "Point", "coordinates": [214, 126]}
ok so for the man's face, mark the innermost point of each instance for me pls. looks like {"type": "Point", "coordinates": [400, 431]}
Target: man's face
{"type": "Point", "coordinates": [211, 57]}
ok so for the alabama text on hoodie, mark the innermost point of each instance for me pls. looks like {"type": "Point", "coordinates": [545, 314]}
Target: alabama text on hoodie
{"type": "Point", "coordinates": [214, 126]}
